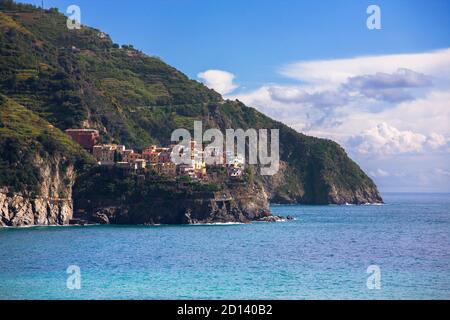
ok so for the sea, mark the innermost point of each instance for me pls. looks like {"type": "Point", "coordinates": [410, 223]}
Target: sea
{"type": "Point", "coordinates": [399, 250]}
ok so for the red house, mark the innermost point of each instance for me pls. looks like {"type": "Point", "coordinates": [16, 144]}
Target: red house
{"type": "Point", "coordinates": [87, 138]}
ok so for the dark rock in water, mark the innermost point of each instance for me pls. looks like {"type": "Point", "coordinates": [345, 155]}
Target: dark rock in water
{"type": "Point", "coordinates": [272, 219]}
{"type": "Point", "coordinates": [102, 216]}
{"type": "Point", "coordinates": [275, 218]}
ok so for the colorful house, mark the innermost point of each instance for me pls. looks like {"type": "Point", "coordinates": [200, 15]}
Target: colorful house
{"type": "Point", "coordinates": [87, 138]}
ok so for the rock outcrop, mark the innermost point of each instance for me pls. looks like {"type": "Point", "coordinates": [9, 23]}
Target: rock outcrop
{"type": "Point", "coordinates": [285, 188]}
{"type": "Point", "coordinates": [19, 210]}
{"type": "Point", "coordinates": [51, 205]}
{"type": "Point", "coordinates": [236, 203]}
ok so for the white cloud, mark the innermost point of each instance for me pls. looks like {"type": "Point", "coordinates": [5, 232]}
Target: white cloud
{"type": "Point", "coordinates": [386, 87]}
{"type": "Point", "coordinates": [427, 115]}
{"type": "Point", "coordinates": [219, 80]}
{"type": "Point", "coordinates": [442, 172]}
{"type": "Point", "coordinates": [339, 70]}
{"type": "Point", "coordinates": [322, 99]}
{"type": "Point", "coordinates": [435, 141]}
{"type": "Point", "coordinates": [379, 173]}
{"type": "Point", "coordinates": [387, 140]}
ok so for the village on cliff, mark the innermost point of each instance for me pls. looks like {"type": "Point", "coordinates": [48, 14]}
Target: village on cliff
{"type": "Point", "coordinates": [156, 157]}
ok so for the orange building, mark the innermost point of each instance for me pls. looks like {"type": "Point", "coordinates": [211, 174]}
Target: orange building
{"type": "Point", "coordinates": [87, 138]}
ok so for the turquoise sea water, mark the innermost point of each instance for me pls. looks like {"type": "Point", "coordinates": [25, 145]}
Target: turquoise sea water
{"type": "Point", "coordinates": [323, 254]}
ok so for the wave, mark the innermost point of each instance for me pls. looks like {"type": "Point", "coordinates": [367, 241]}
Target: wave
{"type": "Point", "coordinates": [215, 223]}
{"type": "Point", "coordinates": [365, 204]}
{"type": "Point", "coordinates": [51, 226]}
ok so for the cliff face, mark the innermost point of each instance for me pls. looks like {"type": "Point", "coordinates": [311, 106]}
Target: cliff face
{"type": "Point", "coordinates": [37, 168]}
{"type": "Point", "coordinates": [363, 195]}
{"type": "Point", "coordinates": [288, 187]}
{"type": "Point", "coordinates": [151, 199]}
{"type": "Point", "coordinates": [53, 203]}
{"type": "Point", "coordinates": [223, 207]}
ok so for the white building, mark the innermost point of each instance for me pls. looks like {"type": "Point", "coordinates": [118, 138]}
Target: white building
{"type": "Point", "coordinates": [104, 153]}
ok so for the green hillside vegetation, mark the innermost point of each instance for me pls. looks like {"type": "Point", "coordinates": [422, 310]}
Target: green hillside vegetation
{"type": "Point", "coordinates": [23, 135]}
{"type": "Point", "coordinates": [80, 78]}
{"type": "Point", "coordinates": [112, 183]}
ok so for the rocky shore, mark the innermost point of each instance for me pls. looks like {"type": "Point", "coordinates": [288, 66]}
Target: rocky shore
{"type": "Point", "coordinates": [51, 204]}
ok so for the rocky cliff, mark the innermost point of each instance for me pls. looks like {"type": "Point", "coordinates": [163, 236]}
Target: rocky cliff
{"type": "Point", "coordinates": [151, 199]}
{"type": "Point", "coordinates": [52, 205]}
{"type": "Point", "coordinates": [38, 166]}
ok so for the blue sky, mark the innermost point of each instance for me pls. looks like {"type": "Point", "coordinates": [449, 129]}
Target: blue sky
{"type": "Point", "coordinates": [253, 37]}
{"type": "Point", "coordinates": [314, 65]}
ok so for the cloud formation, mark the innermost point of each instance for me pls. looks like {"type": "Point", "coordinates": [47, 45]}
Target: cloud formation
{"type": "Point", "coordinates": [337, 71]}
{"type": "Point", "coordinates": [219, 80]}
{"type": "Point", "coordinates": [353, 93]}
{"type": "Point", "coordinates": [387, 140]}
{"type": "Point", "coordinates": [379, 173]}
{"type": "Point", "coordinates": [402, 78]}
{"type": "Point", "coordinates": [323, 99]}
{"type": "Point", "coordinates": [391, 87]}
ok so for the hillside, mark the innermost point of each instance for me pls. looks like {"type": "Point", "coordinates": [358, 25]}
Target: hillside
{"type": "Point", "coordinates": [38, 165]}
{"type": "Point", "coordinates": [80, 78]}
{"type": "Point", "coordinates": [24, 136]}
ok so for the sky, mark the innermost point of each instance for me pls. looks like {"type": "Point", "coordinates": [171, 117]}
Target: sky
{"type": "Point", "coordinates": [383, 94]}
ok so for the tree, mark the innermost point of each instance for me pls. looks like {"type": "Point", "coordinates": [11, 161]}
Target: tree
{"type": "Point", "coordinates": [117, 156]}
